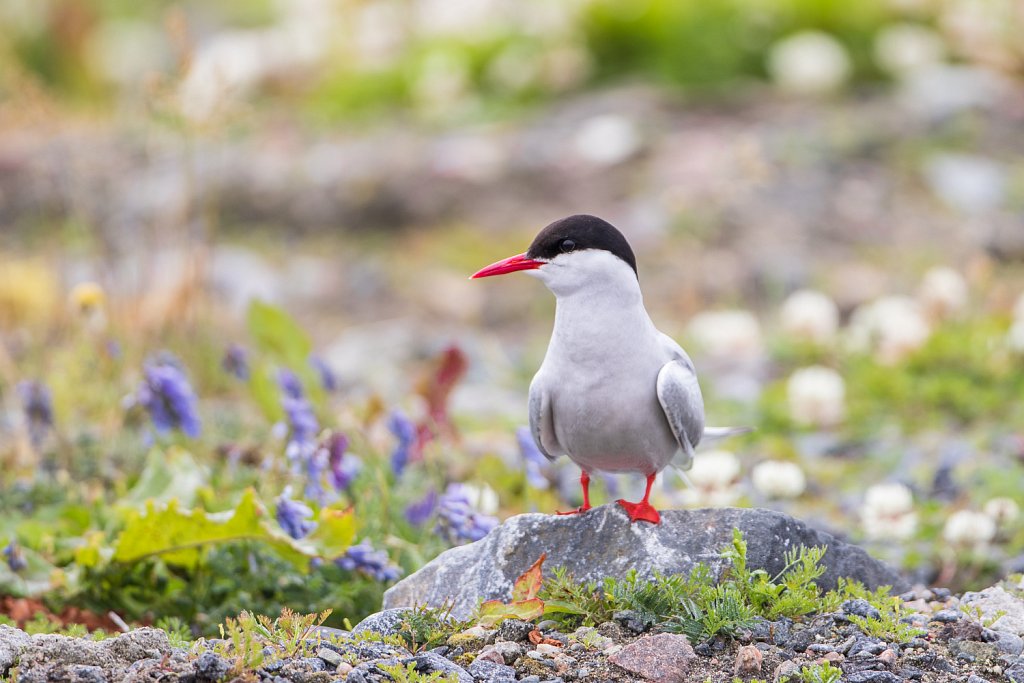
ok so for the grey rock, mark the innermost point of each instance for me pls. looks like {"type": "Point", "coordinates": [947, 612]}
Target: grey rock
{"type": "Point", "coordinates": [13, 642]}
{"type": "Point", "coordinates": [1015, 671]}
{"type": "Point", "coordinates": [332, 658]}
{"type": "Point", "coordinates": [508, 650]}
{"type": "Point", "coordinates": [1009, 643]}
{"type": "Point", "coordinates": [974, 678]}
{"type": "Point", "coordinates": [514, 630]}
{"type": "Point", "coordinates": [871, 677]}
{"type": "Point", "coordinates": [490, 672]}
{"type": "Point", "coordinates": [946, 616]}
{"type": "Point", "coordinates": [429, 662]}
{"type": "Point", "coordinates": [633, 621]}
{"type": "Point", "coordinates": [64, 673]}
{"type": "Point", "coordinates": [211, 667]}
{"type": "Point", "coordinates": [861, 608]}
{"type": "Point", "coordinates": [384, 623]}
{"type": "Point", "coordinates": [603, 543]}
{"type": "Point", "coordinates": [994, 600]}
{"type": "Point", "coordinates": [137, 644]}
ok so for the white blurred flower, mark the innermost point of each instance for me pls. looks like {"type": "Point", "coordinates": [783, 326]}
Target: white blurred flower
{"type": "Point", "coordinates": [1015, 337]}
{"type": "Point", "coordinates": [733, 334]}
{"type": "Point", "coordinates": [1002, 510]}
{"type": "Point", "coordinates": [969, 528]}
{"type": "Point", "coordinates": [903, 48]}
{"type": "Point", "coordinates": [970, 183]}
{"type": "Point", "coordinates": [483, 498]}
{"type": "Point", "coordinates": [817, 396]}
{"type": "Point", "coordinates": [943, 293]}
{"type": "Point", "coordinates": [779, 479]}
{"type": "Point", "coordinates": [715, 478]}
{"type": "Point", "coordinates": [809, 62]}
{"type": "Point", "coordinates": [888, 512]}
{"type": "Point", "coordinates": [891, 326]}
{"type": "Point", "coordinates": [810, 316]}
{"type": "Point", "coordinates": [607, 139]}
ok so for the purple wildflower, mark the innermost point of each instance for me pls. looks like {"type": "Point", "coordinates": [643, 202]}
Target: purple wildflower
{"type": "Point", "coordinates": [419, 512]}
{"type": "Point", "coordinates": [405, 431]}
{"type": "Point", "coordinates": [236, 361]}
{"type": "Point", "coordinates": [290, 383]}
{"type": "Point", "coordinates": [374, 563]}
{"type": "Point", "coordinates": [15, 558]}
{"type": "Point", "coordinates": [534, 461]}
{"type": "Point", "coordinates": [328, 380]}
{"type": "Point", "coordinates": [38, 406]}
{"type": "Point", "coordinates": [293, 516]}
{"type": "Point", "coordinates": [344, 467]}
{"type": "Point", "coordinates": [458, 520]}
{"type": "Point", "coordinates": [168, 397]}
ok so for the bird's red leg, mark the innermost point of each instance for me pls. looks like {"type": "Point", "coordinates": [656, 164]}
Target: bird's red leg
{"type": "Point", "coordinates": [642, 511]}
{"type": "Point", "coordinates": [585, 483]}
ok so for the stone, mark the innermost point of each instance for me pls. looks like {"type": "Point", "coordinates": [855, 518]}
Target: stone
{"type": "Point", "coordinates": [508, 650]}
{"type": "Point", "coordinates": [994, 600]}
{"type": "Point", "coordinates": [490, 672]}
{"type": "Point", "coordinates": [1009, 643]}
{"type": "Point", "coordinates": [430, 662]}
{"type": "Point", "coordinates": [661, 658]}
{"type": "Point", "coordinates": [13, 642]}
{"type": "Point", "coordinates": [946, 616]}
{"type": "Point", "coordinates": [514, 630]}
{"type": "Point", "coordinates": [1015, 672]}
{"type": "Point", "coordinates": [64, 673]}
{"type": "Point", "coordinates": [861, 608]}
{"type": "Point", "coordinates": [603, 543]}
{"type": "Point", "coordinates": [211, 667]}
{"type": "Point", "coordinates": [332, 658]}
{"type": "Point", "coordinates": [748, 661]}
{"type": "Point", "coordinates": [384, 623]}
{"type": "Point", "coordinates": [871, 677]}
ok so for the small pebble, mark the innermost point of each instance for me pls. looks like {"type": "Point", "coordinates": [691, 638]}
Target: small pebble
{"type": "Point", "coordinates": [888, 657]}
{"type": "Point", "coordinates": [546, 649]}
{"type": "Point", "coordinates": [748, 661]}
{"type": "Point", "coordinates": [946, 616]}
{"type": "Point", "coordinates": [332, 658]}
{"type": "Point", "coordinates": [861, 608]}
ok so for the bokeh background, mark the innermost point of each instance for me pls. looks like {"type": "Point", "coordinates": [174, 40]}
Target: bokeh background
{"type": "Point", "coordinates": [826, 200]}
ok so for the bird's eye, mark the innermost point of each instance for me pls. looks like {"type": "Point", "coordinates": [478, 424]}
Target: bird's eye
{"type": "Point", "coordinates": [567, 246]}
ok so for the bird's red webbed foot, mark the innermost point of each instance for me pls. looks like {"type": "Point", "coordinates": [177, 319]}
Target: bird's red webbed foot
{"type": "Point", "coordinates": [642, 511]}
{"type": "Point", "coordinates": [585, 483]}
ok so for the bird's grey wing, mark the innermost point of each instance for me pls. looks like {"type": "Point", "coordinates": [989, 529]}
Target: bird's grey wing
{"type": "Point", "coordinates": [680, 398]}
{"type": "Point", "coordinates": [542, 423]}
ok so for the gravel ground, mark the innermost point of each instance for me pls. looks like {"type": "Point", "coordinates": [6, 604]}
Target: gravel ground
{"type": "Point", "coordinates": [951, 646]}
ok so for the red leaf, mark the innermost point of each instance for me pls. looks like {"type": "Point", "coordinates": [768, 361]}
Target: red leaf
{"type": "Point", "coordinates": [528, 585]}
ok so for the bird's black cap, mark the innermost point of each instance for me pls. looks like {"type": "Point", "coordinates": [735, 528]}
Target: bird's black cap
{"type": "Point", "coordinates": [580, 232]}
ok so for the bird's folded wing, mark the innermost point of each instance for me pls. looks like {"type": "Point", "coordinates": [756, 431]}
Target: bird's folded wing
{"type": "Point", "coordinates": [542, 424]}
{"type": "Point", "coordinates": [680, 398]}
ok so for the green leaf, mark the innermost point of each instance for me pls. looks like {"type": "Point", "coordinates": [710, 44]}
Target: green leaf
{"type": "Point", "coordinates": [277, 334]}
{"type": "Point", "coordinates": [494, 612]}
{"type": "Point", "coordinates": [182, 537]}
{"type": "Point", "coordinates": [173, 474]}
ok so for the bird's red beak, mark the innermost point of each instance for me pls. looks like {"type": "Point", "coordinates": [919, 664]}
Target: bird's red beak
{"type": "Point", "coordinates": [508, 265]}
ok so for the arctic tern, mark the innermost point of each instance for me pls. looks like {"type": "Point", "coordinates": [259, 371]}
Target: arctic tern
{"type": "Point", "coordinates": [613, 393]}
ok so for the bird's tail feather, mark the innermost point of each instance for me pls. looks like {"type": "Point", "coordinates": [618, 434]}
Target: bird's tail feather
{"type": "Point", "coordinates": [715, 434]}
